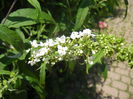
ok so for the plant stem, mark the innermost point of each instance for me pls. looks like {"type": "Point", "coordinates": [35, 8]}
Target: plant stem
{"type": "Point", "coordinates": [9, 11]}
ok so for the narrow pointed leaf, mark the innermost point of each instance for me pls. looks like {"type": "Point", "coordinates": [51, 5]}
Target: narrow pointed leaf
{"type": "Point", "coordinates": [43, 73]}
{"type": "Point", "coordinates": [36, 4]}
{"type": "Point", "coordinates": [105, 72]}
{"type": "Point", "coordinates": [81, 14]}
{"type": "Point", "coordinates": [98, 56]}
{"type": "Point", "coordinates": [11, 37]}
{"type": "Point", "coordinates": [27, 16]}
{"type": "Point", "coordinates": [71, 65]}
{"type": "Point", "coordinates": [4, 72]}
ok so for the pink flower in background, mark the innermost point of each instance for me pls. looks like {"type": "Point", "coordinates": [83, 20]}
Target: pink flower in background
{"type": "Point", "coordinates": [102, 25]}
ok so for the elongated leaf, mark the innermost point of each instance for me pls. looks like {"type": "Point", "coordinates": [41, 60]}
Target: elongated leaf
{"type": "Point", "coordinates": [82, 13]}
{"type": "Point", "coordinates": [35, 84]}
{"type": "Point", "coordinates": [2, 66]}
{"type": "Point", "coordinates": [4, 72]}
{"type": "Point", "coordinates": [87, 67]}
{"type": "Point", "coordinates": [43, 73]}
{"type": "Point", "coordinates": [32, 78]}
{"type": "Point", "coordinates": [71, 65]}
{"type": "Point", "coordinates": [20, 33]}
{"type": "Point", "coordinates": [105, 72]}
{"type": "Point", "coordinates": [11, 37]}
{"type": "Point", "coordinates": [98, 56]}
{"type": "Point", "coordinates": [27, 16]}
{"type": "Point", "coordinates": [8, 59]}
{"type": "Point", "coordinates": [96, 59]}
{"type": "Point", "coordinates": [36, 4]}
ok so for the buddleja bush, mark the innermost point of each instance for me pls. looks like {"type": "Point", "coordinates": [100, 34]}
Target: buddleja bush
{"type": "Point", "coordinates": [85, 45]}
{"type": "Point", "coordinates": [27, 55]}
{"type": "Point", "coordinates": [43, 55]}
{"type": "Point", "coordinates": [79, 44]}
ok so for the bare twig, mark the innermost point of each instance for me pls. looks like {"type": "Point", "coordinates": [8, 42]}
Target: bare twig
{"type": "Point", "coordinates": [9, 11]}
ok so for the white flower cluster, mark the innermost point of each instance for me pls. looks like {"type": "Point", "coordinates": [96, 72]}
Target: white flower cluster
{"type": "Point", "coordinates": [59, 48]}
{"type": "Point", "coordinates": [62, 50]}
{"type": "Point", "coordinates": [86, 32]}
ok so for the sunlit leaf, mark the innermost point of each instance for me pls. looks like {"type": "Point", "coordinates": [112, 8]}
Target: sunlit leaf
{"type": "Point", "coordinates": [4, 72]}
{"type": "Point", "coordinates": [36, 4]}
{"type": "Point", "coordinates": [43, 73]}
{"type": "Point", "coordinates": [25, 17]}
{"type": "Point", "coordinates": [82, 14]}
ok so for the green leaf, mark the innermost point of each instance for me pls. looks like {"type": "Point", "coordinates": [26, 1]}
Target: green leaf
{"type": "Point", "coordinates": [20, 33]}
{"type": "Point", "coordinates": [4, 72]}
{"type": "Point", "coordinates": [11, 37]}
{"type": "Point", "coordinates": [32, 78]}
{"type": "Point", "coordinates": [36, 4]}
{"type": "Point", "coordinates": [87, 67]}
{"type": "Point", "coordinates": [27, 16]}
{"type": "Point", "coordinates": [98, 56]}
{"type": "Point", "coordinates": [2, 66]}
{"type": "Point", "coordinates": [81, 14]}
{"type": "Point", "coordinates": [43, 73]}
{"type": "Point", "coordinates": [71, 65]}
{"type": "Point", "coordinates": [96, 59]}
{"type": "Point", "coordinates": [35, 84]}
{"type": "Point", "coordinates": [8, 59]}
{"type": "Point", "coordinates": [105, 72]}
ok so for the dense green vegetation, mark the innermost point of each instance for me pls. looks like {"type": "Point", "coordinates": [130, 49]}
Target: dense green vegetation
{"type": "Point", "coordinates": [39, 58]}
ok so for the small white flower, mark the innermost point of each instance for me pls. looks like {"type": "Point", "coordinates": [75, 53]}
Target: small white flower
{"type": "Point", "coordinates": [50, 43]}
{"type": "Point", "coordinates": [41, 44]}
{"type": "Point", "coordinates": [32, 62]}
{"type": "Point", "coordinates": [93, 52]}
{"type": "Point", "coordinates": [36, 60]}
{"type": "Point", "coordinates": [81, 51]}
{"type": "Point", "coordinates": [74, 35]}
{"type": "Point", "coordinates": [43, 59]}
{"type": "Point", "coordinates": [34, 43]}
{"type": "Point", "coordinates": [53, 63]}
{"type": "Point", "coordinates": [93, 35]}
{"type": "Point", "coordinates": [62, 50]}
{"type": "Point", "coordinates": [41, 52]}
{"type": "Point", "coordinates": [76, 45]}
{"type": "Point", "coordinates": [87, 32]}
{"type": "Point", "coordinates": [62, 39]}
{"type": "Point", "coordinates": [91, 62]}
{"type": "Point", "coordinates": [60, 59]}
{"type": "Point", "coordinates": [57, 40]}
{"type": "Point", "coordinates": [27, 51]}
{"type": "Point", "coordinates": [81, 33]}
